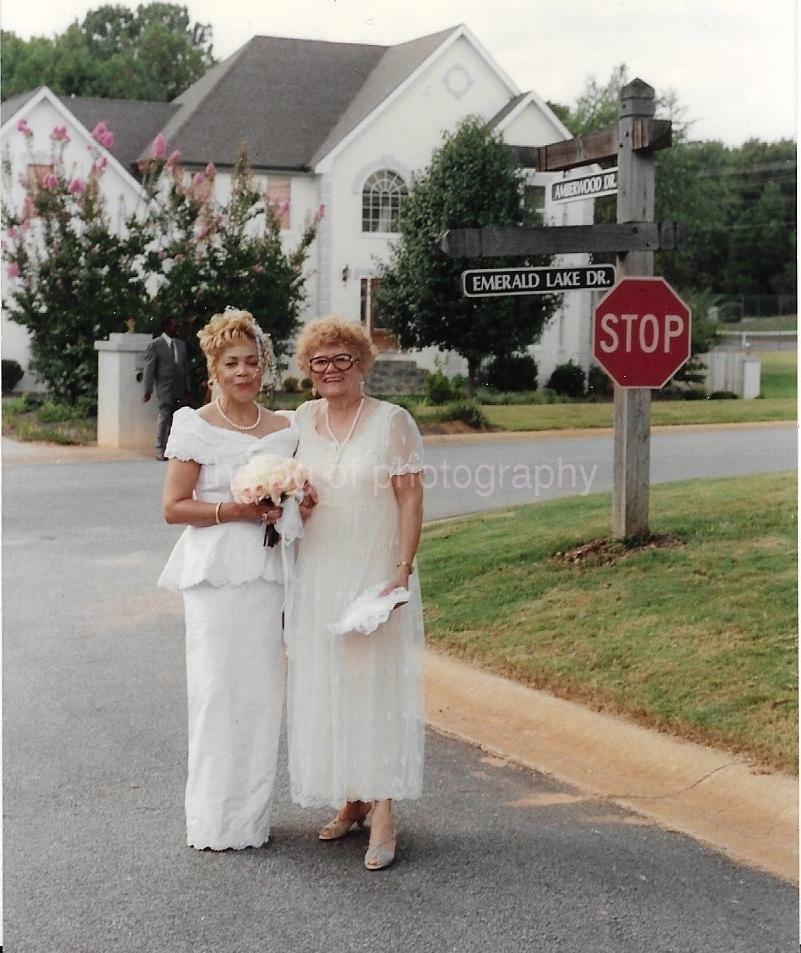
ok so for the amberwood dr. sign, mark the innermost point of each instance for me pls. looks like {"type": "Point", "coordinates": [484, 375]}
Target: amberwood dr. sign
{"type": "Point", "coordinates": [585, 186]}
{"type": "Point", "coordinates": [489, 282]}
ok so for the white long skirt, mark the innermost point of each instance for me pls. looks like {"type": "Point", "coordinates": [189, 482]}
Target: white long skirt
{"type": "Point", "coordinates": [236, 671]}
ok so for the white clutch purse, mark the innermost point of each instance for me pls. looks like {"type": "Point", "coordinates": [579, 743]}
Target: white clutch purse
{"type": "Point", "coordinates": [369, 610]}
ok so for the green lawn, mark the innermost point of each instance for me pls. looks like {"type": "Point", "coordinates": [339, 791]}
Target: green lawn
{"type": "Point", "coordinates": [698, 638]}
{"type": "Point", "coordinates": [577, 415]}
{"type": "Point", "coordinates": [779, 370]}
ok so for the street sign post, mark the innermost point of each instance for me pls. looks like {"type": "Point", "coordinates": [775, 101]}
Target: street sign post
{"type": "Point", "coordinates": [641, 332]}
{"type": "Point", "coordinates": [635, 237]}
{"type": "Point", "coordinates": [497, 282]}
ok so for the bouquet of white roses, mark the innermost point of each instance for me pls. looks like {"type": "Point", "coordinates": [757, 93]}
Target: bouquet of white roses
{"type": "Point", "coordinates": [269, 477]}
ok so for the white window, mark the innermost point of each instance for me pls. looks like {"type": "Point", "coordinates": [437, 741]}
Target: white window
{"type": "Point", "coordinates": [382, 198]}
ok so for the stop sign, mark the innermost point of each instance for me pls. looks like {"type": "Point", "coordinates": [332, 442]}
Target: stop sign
{"type": "Point", "coordinates": [641, 332]}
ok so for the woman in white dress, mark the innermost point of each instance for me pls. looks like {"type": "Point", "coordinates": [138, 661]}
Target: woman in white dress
{"type": "Point", "coordinates": [355, 701]}
{"type": "Point", "coordinates": [233, 591]}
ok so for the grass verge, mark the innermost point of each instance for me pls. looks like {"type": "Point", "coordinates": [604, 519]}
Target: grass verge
{"type": "Point", "coordinates": [779, 370]}
{"type": "Point", "coordinates": [577, 415]}
{"type": "Point", "coordinates": [696, 638]}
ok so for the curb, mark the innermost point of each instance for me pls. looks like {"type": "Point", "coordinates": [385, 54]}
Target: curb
{"type": "Point", "coordinates": [711, 795]}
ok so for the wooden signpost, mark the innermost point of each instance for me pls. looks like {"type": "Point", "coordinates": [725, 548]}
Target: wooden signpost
{"type": "Point", "coordinates": [634, 239]}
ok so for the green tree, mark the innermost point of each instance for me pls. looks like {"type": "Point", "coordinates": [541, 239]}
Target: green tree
{"type": "Point", "coordinates": [73, 278]}
{"type": "Point", "coordinates": [472, 181]}
{"type": "Point", "coordinates": [154, 53]}
{"type": "Point", "coordinates": [204, 255]}
{"type": "Point", "coordinates": [759, 242]}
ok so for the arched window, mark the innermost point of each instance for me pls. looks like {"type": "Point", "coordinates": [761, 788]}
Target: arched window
{"type": "Point", "coordinates": [382, 197]}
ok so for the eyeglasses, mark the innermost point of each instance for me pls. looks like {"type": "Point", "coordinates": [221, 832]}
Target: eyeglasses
{"type": "Point", "coordinates": [342, 362]}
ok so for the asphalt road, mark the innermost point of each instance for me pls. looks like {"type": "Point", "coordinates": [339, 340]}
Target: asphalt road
{"type": "Point", "coordinates": [469, 477]}
{"type": "Point", "coordinates": [494, 857]}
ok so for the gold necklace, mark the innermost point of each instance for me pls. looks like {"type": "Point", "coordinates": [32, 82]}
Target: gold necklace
{"type": "Point", "coordinates": [235, 425]}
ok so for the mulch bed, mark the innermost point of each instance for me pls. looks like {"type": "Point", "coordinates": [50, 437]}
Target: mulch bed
{"type": "Point", "coordinates": [605, 551]}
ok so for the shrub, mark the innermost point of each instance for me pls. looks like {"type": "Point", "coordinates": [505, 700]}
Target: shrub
{"type": "Point", "coordinates": [599, 383]}
{"type": "Point", "coordinates": [306, 384]}
{"type": "Point", "coordinates": [695, 393]}
{"type": "Point", "coordinates": [468, 411]}
{"type": "Point", "coordinates": [291, 385]}
{"type": "Point", "coordinates": [567, 380]}
{"type": "Point", "coordinates": [12, 374]}
{"type": "Point", "coordinates": [402, 401]}
{"type": "Point", "coordinates": [723, 395]}
{"type": "Point", "coordinates": [512, 372]}
{"type": "Point", "coordinates": [438, 389]}
{"type": "Point", "coordinates": [459, 384]}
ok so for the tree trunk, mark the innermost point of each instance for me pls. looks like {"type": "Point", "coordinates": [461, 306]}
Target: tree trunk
{"type": "Point", "coordinates": [473, 364]}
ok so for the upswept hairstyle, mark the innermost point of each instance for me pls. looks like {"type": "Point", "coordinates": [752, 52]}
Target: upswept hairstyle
{"type": "Point", "coordinates": [226, 329]}
{"type": "Point", "coordinates": [336, 330]}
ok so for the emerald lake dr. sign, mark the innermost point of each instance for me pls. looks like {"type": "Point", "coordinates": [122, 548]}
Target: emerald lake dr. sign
{"type": "Point", "coordinates": [585, 186]}
{"type": "Point", "coordinates": [489, 282]}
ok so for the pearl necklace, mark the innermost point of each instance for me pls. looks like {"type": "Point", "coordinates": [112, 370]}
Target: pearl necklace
{"type": "Point", "coordinates": [339, 447]}
{"type": "Point", "coordinates": [235, 425]}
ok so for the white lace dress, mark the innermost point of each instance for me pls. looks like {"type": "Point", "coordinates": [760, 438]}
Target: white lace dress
{"type": "Point", "coordinates": [355, 702]}
{"type": "Point", "coordinates": [233, 594]}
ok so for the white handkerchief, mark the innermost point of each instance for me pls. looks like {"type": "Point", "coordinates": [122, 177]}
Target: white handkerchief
{"type": "Point", "coordinates": [368, 610]}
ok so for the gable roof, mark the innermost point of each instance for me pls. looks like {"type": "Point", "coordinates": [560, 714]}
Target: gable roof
{"type": "Point", "coordinates": [134, 122]}
{"type": "Point", "coordinates": [307, 94]}
{"type": "Point", "coordinates": [396, 64]}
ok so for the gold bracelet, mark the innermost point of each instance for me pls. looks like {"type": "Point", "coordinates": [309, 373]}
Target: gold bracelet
{"type": "Point", "coordinates": [217, 512]}
{"type": "Point", "coordinates": [405, 562]}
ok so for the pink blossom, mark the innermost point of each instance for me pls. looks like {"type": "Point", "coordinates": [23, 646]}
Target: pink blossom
{"type": "Point", "coordinates": [99, 131]}
{"type": "Point", "coordinates": [59, 134]}
{"type": "Point", "coordinates": [27, 212]}
{"type": "Point", "coordinates": [159, 148]}
{"type": "Point", "coordinates": [12, 232]}
{"type": "Point", "coordinates": [283, 208]}
{"type": "Point", "coordinates": [202, 230]}
{"type": "Point", "coordinates": [174, 159]}
{"type": "Point", "coordinates": [107, 139]}
{"type": "Point", "coordinates": [50, 181]}
{"type": "Point", "coordinates": [319, 214]}
{"type": "Point", "coordinates": [13, 270]}
{"type": "Point", "coordinates": [77, 186]}
{"type": "Point", "coordinates": [211, 170]}
{"type": "Point", "coordinates": [100, 164]}
{"type": "Point", "coordinates": [198, 178]}
{"type": "Point", "coordinates": [24, 128]}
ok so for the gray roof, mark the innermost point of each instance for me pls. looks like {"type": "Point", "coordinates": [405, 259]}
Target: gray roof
{"type": "Point", "coordinates": [13, 104]}
{"type": "Point", "coordinates": [291, 100]}
{"type": "Point", "coordinates": [134, 122]}
{"type": "Point", "coordinates": [503, 113]}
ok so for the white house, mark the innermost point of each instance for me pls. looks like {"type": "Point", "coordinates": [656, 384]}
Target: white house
{"type": "Point", "coordinates": [338, 124]}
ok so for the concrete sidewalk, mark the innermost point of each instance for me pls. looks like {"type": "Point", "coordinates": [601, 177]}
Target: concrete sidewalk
{"type": "Point", "coordinates": [711, 795]}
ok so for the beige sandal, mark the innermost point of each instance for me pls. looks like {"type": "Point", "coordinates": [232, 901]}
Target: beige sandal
{"type": "Point", "coordinates": [339, 827]}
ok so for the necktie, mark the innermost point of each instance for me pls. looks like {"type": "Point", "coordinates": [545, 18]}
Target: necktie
{"type": "Point", "coordinates": [175, 351]}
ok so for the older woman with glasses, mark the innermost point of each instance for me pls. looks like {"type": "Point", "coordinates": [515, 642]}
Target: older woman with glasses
{"type": "Point", "coordinates": [355, 712]}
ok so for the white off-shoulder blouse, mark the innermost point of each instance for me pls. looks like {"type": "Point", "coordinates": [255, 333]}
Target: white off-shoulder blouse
{"type": "Point", "coordinates": [228, 554]}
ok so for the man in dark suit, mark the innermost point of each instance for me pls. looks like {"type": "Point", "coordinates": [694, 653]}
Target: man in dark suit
{"type": "Point", "coordinates": [165, 366]}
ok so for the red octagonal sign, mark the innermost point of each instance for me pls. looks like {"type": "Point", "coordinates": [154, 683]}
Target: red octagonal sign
{"type": "Point", "coordinates": [641, 332]}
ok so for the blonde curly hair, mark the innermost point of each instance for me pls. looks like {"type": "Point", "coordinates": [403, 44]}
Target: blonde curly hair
{"type": "Point", "coordinates": [336, 330]}
{"type": "Point", "coordinates": [230, 327]}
